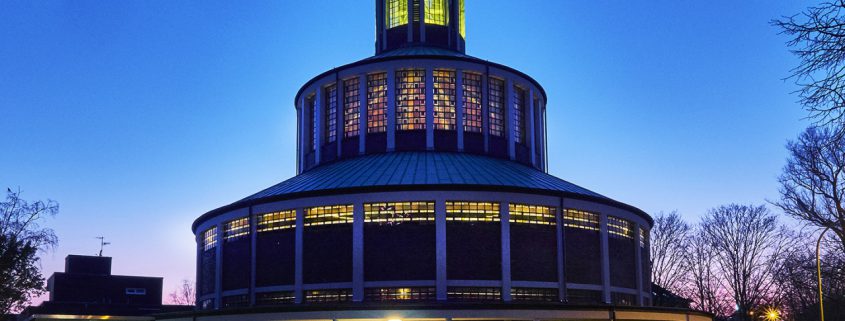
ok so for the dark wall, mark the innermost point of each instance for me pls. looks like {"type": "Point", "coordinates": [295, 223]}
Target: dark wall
{"type": "Point", "coordinates": [376, 143]}
{"type": "Point", "coordinates": [583, 256]}
{"type": "Point", "coordinates": [88, 264]}
{"type": "Point", "coordinates": [327, 253]}
{"type": "Point", "coordinates": [349, 147]}
{"type": "Point", "coordinates": [474, 143]}
{"type": "Point", "coordinates": [208, 266]}
{"type": "Point", "coordinates": [408, 140]}
{"type": "Point", "coordinates": [236, 265]}
{"type": "Point", "coordinates": [446, 140]}
{"type": "Point", "coordinates": [623, 269]}
{"type": "Point", "coordinates": [533, 252]}
{"type": "Point", "coordinates": [92, 288]}
{"type": "Point", "coordinates": [399, 252]}
{"type": "Point", "coordinates": [474, 251]}
{"type": "Point", "coordinates": [275, 254]}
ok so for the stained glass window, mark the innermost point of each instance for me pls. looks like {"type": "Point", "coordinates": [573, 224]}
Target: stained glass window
{"type": "Point", "coordinates": [351, 107]}
{"type": "Point", "coordinates": [472, 102]}
{"type": "Point", "coordinates": [395, 212]}
{"type": "Point", "coordinates": [209, 238]}
{"type": "Point", "coordinates": [620, 227]}
{"type": "Point", "coordinates": [496, 108]}
{"type": "Point", "coordinates": [410, 99]}
{"type": "Point", "coordinates": [397, 13]}
{"type": "Point", "coordinates": [581, 219]}
{"type": "Point", "coordinates": [331, 113]}
{"type": "Point", "coordinates": [531, 214]}
{"type": "Point", "coordinates": [444, 99]}
{"type": "Point", "coordinates": [235, 229]}
{"type": "Point", "coordinates": [325, 215]}
{"type": "Point", "coordinates": [472, 211]}
{"type": "Point", "coordinates": [400, 294]}
{"type": "Point", "coordinates": [276, 221]}
{"type": "Point", "coordinates": [377, 103]}
{"type": "Point", "coordinates": [313, 124]}
{"type": "Point", "coordinates": [519, 115]}
{"type": "Point", "coordinates": [437, 12]}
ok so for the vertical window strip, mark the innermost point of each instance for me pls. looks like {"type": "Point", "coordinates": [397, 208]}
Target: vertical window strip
{"type": "Point", "coordinates": [396, 212]}
{"type": "Point", "coordinates": [209, 238]}
{"type": "Point", "coordinates": [472, 102]}
{"type": "Point", "coordinates": [235, 229]}
{"type": "Point", "coordinates": [496, 108]}
{"type": "Point", "coordinates": [377, 103]}
{"type": "Point", "coordinates": [410, 99]}
{"type": "Point", "coordinates": [532, 214]}
{"type": "Point", "coordinates": [620, 228]}
{"type": "Point", "coordinates": [437, 12]}
{"type": "Point", "coordinates": [351, 107]}
{"type": "Point", "coordinates": [461, 22]}
{"type": "Point", "coordinates": [472, 211]}
{"type": "Point", "coordinates": [643, 237]}
{"type": "Point", "coordinates": [276, 221]}
{"type": "Point", "coordinates": [397, 13]}
{"type": "Point", "coordinates": [326, 215]}
{"type": "Point", "coordinates": [444, 99]}
{"type": "Point", "coordinates": [519, 115]}
{"type": "Point", "coordinates": [581, 219]}
{"type": "Point", "coordinates": [314, 131]}
{"type": "Point", "coordinates": [331, 113]}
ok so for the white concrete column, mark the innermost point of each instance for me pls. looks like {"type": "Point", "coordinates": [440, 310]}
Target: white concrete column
{"type": "Point", "coordinates": [253, 239]}
{"type": "Point", "coordinates": [561, 251]}
{"type": "Point", "coordinates": [429, 107]}
{"type": "Point", "coordinates": [638, 260]}
{"type": "Point", "coordinates": [529, 130]}
{"type": "Point", "coordinates": [605, 259]}
{"type": "Point", "coordinates": [440, 244]}
{"type": "Point", "coordinates": [391, 109]}
{"type": "Point", "coordinates": [362, 118]}
{"type": "Point", "coordinates": [459, 107]}
{"type": "Point", "coordinates": [509, 121]}
{"type": "Point", "coordinates": [297, 283]}
{"type": "Point", "coordinates": [358, 252]}
{"type": "Point", "coordinates": [318, 123]}
{"type": "Point", "coordinates": [485, 112]}
{"type": "Point", "coordinates": [218, 268]}
{"type": "Point", "coordinates": [504, 213]}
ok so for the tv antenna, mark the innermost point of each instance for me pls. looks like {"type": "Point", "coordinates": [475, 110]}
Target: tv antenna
{"type": "Point", "coordinates": [102, 244]}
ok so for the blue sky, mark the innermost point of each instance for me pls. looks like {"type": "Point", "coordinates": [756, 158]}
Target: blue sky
{"type": "Point", "coordinates": [138, 116]}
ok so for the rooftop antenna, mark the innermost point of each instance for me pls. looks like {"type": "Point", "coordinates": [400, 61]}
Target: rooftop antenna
{"type": "Point", "coordinates": [102, 244]}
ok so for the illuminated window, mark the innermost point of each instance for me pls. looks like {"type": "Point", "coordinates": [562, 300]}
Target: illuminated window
{"type": "Point", "coordinates": [351, 107]}
{"type": "Point", "coordinates": [496, 108]}
{"type": "Point", "coordinates": [209, 238]}
{"type": "Point", "coordinates": [643, 237]}
{"type": "Point", "coordinates": [398, 212]}
{"type": "Point", "coordinates": [410, 99]}
{"type": "Point", "coordinates": [325, 215]}
{"type": "Point", "coordinates": [437, 12]}
{"type": "Point", "coordinates": [313, 124]}
{"type": "Point", "coordinates": [461, 22]}
{"type": "Point", "coordinates": [377, 103]}
{"type": "Point", "coordinates": [400, 294]}
{"type": "Point", "coordinates": [519, 115]}
{"type": "Point", "coordinates": [274, 298]}
{"type": "Point", "coordinates": [580, 219]}
{"type": "Point", "coordinates": [234, 301]}
{"type": "Point", "coordinates": [620, 228]}
{"type": "Point", "coordinates": [472, 211]}
{"type": "Point", "coordinates": [472, 102]}
{"type": "Point", "coordinates": [532, 214]}
{"type": "Point", "coordinates": [276, 221]}
{"type": "Point", "coordinates": [444, 99]}
{"type": "Point", "coordinates": [473, 294]}
{"type": "Point", "coordinates": [328, 296]}
{"type": "Point", "coordinates": [331, 113]}
{"type": "Point", "coordinates": [397, 13]}
{"type": "Point", "coordinates": [235, 229]}
{"type": "Point", "coordinates": [534, 294]}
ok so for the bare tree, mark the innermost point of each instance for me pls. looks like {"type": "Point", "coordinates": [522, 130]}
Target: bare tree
{"type": "Point", "coordinates": [669, 245]}
{"type": "Point", "coordinates": [813, 180]}
{"type": "Point", "coordinates": [703, 286]}
{"type": "Point", "coordinates": [184, 294]}
{"type": "Point", "coordinates": [748, 245]}
{"type": "Point", "coordinates": [818, 39]}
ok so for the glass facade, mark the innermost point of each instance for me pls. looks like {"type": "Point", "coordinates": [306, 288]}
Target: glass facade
{"type": "Point", "coordinates": [397, 212]}
{"type": "Point", "coordinates": [437, 12]}
{"type": "Point", "coordinates": [620, 227]}
{"type": "Point", "coordinates": [410, 99]}
{"type": "Point", "coordinates": [496, 107]}
{"type": "Point", "coordinates": [351, 107]}
{"type": "Point", "coordinates": [397, 13]}
{"type": "Point", "coordinates": [235, 229]}
{"type": "Point", "coordinates": [326, 215]}
{"type": "Point", "coordinates": [377, 103]}
{"type": "Point", "coordinates": [643, 237]}
{"type": "Point", "coordinates": [532, 214]}
{"type": "Point", "coordinates": [209, 238]}
{"type": "Point", "coordinates": [276, 221]}
{"type": "Point", "coordinates": [581, 219]}
{"type": "Point", "coordinates": [400, 294]}
{"type": "Point", "coordinates": [519, 108]}
{"type": "Point", "coordinates": [472, 102]}
{"type": "Point", "coordinates": [331, 114]}
{"type": "Point", "coordinates": [444, 99]}
{"type": "Point", "coordinates": [472, 211]}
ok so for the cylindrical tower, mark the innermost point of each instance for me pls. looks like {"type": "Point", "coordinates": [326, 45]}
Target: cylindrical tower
{"type": "Point", "coordinates": [422, 186]}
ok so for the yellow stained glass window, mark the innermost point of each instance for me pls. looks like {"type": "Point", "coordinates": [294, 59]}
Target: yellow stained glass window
{"type": "Point", "coordinates": [395, 212]}
{"type": "Point", "coordinates": [444, 99]}
{"type": "Point", "coordinates": [410, 99]}
{"type": "Point", "coordinates": [437, 12]}
{"type": "Point", "coordinates": [325, 215]}
{"type": "Point", "coordinates": [397, 13]}
{"type": "Point", "coordinates": [472, 211]}
{"type": "Point", "coordinates": [620, 227]}
{"type": "Point", "coordinates": [581, 219]}
{"type": "Point", "coordinates": [276, 221]}
{"type": "Point", "coordinates": [461, 22]}
{"type": "Point", "coordinates": [643, 237]}
{"type": "Point", "coordinates": [209, 238]}
{"type": "Point", "coordinates": [532, 214]}
{"type": "Point", "coordinates": [235, 229]}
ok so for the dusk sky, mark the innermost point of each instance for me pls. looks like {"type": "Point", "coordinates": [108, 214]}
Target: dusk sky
{"type": "Point", "coordinates": [139, 116]}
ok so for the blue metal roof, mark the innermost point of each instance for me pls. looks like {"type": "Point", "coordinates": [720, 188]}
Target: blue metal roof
{"type": "Point", "coordinates": [418, 169]}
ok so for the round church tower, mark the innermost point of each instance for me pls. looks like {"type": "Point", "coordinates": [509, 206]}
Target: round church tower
{"type": "Point", "coordinates": [421, 193]}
